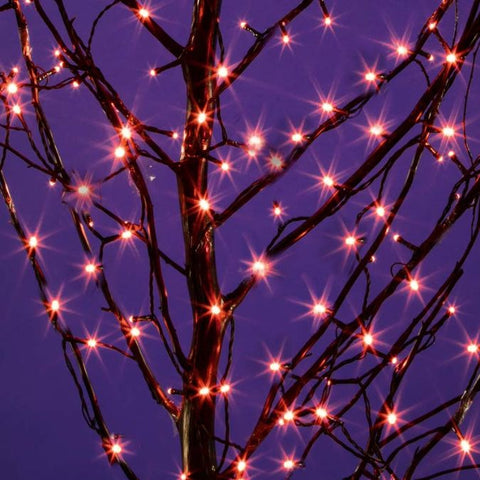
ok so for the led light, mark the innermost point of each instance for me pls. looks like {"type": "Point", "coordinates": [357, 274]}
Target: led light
{"type": "Point", "coordinates": [135, 332]}
{"type": "Point", "coordinates": [201, 117]}
{"type": "Point", "coordinates": [153, 72]}
{"type": "Point", "coordinates": [370, 76]}
{"type": "Point", "coordinates": [376, 130]}
{"type": "Point", "coordinates": [391, 418]}
{"type": "Point", "coordinates": [286, 39]}
{"type": "Point", "coordinates": [394, 360]}
{"type": "Point", "coordinates": [215, 310]}
{"type": "Point", "coordinates": [327, 21]}
{"type": "Point", "coordinates": [259, 268]}
{"type": "Point", "coordinates": [327, 107]}
{"type": "Point", "coordinates": [396, 237]}
{"type": "Point", "coordinates": [243, 25]}
{"type": "Point", "coordinates": [277, 211]}
{"type": "Point", "coordinates": [120, 152]}
{"type": "Point", "coordinates": [75, 84]}
{"type": "Point", "coordinates": [274, 366]}
{"type": "Point", "coordinates": [414, 285]}
{"type": "Point", "coordinates": [92, 343]}
{"type": "Point", "coordinates": [126, 133]}
{"type": "Point", "coordinates": [451, 310]}
{"type": "Point", "coordinates": [241, 465]}
{"type": "Point", "coordinates": [402, 50]}
{"type": "Point", "coordinates": [116, 448]}
{"type": "Point", "coordinates": [83, 190]}
{"type": "Point", "coordinates": [451, 58]}
{"type": "Point", "coordinates": [319, 309]}
{"type": "Point", "coordinates": [432, 25]}
{"type": "Point", "coordinates": [204, 391]}
{"type": "Point", "coordinates": [90, 267]}
{"type": "Point", "coordinates": [16, 109]}
{"type": "Point", "coordinates": [472, 348]}
{"type": "Point", "coordinates": [276, 161]}
{"type": "Point", "coordinates": [225, 166]}
{"type": "Point", "coordinates": [288, 464]}
{"type": "Point", "coordinates": [296, 137]}
{"type": "Point", "coordinates": [225, 388]}
{"type": "Point", "coordinates": [350, 241]}
{"type": "Point", "coordinates": [368, 339]}
{"type": "Point", "coordinates": [127, 234]}
{"type": "Point", "coordinates": [465, 445]}
{"type": "Point", "coordinates": [288, 416]}
{"type": "Point", "coordinates": [255, 141]}
{"type": "Point", "coordinates": [204, 204]}
{"type": "Point", "coordinates": [321, 413]}
{"type": "Point", "coordinates": [380, 211]}
{"type": "Point", "coordinates": [55, 306]}
{"type": "Point", "coordinates": [448, 131]}
{"type": "Point", "coordinates": [222, 71]}
{"type": "Point", "coordinates": [12, 88]}
{"type": "Point", "coordinates": [144, 13]}
{"type": "Point", "coordinates": [328, 181]}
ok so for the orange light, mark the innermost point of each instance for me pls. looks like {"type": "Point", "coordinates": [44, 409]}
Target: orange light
{"type": "Point", "coordinates": [201, 117]}
{"type": "Point", "coordinates": [127, 234]}
{"type": "Point", "coordinates": [222, 71]}
{"type": "Point", "coordinates": [215, 310]}
{"type": "Point", "coordinates": [116, 448]}
{"type": "Point", "coordinates": [451, 58]}
{"type": "Point", "coordinates": [204, 391]}
{"type": "Point", "coordinates": [204, 204]}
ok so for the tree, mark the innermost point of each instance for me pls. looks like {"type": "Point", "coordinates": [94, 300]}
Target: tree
{"type": "Point", "coordinates": [407, 203]}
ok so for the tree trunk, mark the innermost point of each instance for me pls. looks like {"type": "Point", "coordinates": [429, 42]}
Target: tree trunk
{"type": "Point", "coordinates": [197, 421]}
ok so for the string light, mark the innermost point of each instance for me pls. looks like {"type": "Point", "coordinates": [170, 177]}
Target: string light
{"type": "Point", "coordinates": [120, 152]}
{"type": "Point", "coordinates": [16, 109]}
{"type": "Point", "coordinates": [391, 418]}
{"type": "Point", "coordinates": [201, 117]}
{"type": "Point", "coordinates": [414, 285]}
{"type": "Point", "coordinates": [380, 211]}
{"type": "Point", "coordinates": [448, 132]}
{"type": "Point", "coordinates": [127, 234]}
{"type": "Point", "coordinates": [225, 388]}
{"type": "Point", "coordinates": [55, 305]}
{"type": "Point", "coordinates": [368, 339]}
{"type": "Point", "coordinates": [327, 107]}
{"type": "Point", "coordinates": [451, 58]}
{"type": "Point", "coordinates": [144, 13]}
{"type": "Point", "coordinates": [472, 348]}
{"type": "Point", "coordinates": [204, 204]}
{"type": "Point", "coordinates": [33, 242]}
{"type": "Point", "coordinates": [321, 413]}
{"type": "Point", "coordinates": [12, 88]}
{"type": "Point", "coordinates": [288, 464]}
{"type": "Point", "coordinates": [296, 137]}
{"type": "Point", "coordinates": [90, 268]}
{"type": "Point", "coordinates": [370, 76]}
{"type": "Point", "coordinates": [241, 465]}
{"type": "Point", "coordinates": [328, 181]}
{"type": "Point", "coordinates": [286, 38]}
{"type": "Point", "coordinates": [222, 71]}
{"type": "Point", "coordinates": [319, 309]}
{"type": "Point", "coordinates": [327, 21]}
{"type": "Point", "coordinates": [465, 445]}
{"type": "Point", "coordinates": [275, 366]}
{"type": "Point", "coordinates": [225, 166]}
{"type": "Point", "coordinates": [215, 310]}
{"type": "Point", "coordinates": [350, 241]}
{"type": "Point", "coordinates": [116, 448]}
{"type": "Point", "coordinates": [204, 391]}
{"type": "Point", "coordinates": [91, 342]}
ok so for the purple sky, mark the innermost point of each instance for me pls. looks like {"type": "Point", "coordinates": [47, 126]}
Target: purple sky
{"type": "Point", "coordinates": [43, 433]}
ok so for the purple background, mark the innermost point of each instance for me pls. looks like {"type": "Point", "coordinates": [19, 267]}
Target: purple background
{"type": "Point", "coordinates": [43, 433]}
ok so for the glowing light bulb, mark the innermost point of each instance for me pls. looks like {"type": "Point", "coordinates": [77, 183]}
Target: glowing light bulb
{"type": "Point", "coordinates": [83, 190]}
{"type": "Point", "coordinates": [120, 152]}
{"type": "Point", "coordinates": [296, 137]}
{"type": "Point", "coordinates": [327, 21]}
{"type": "Point", "coordinates": [55, 306]}
{"type": "Point", "coordinates": [277, 210]}
{"type": "Point", "coordinates": [432, 25]}
{"type": "Point", "coordinates": [127, 234]}
{"type": "Point", "coordinates": [116, 448]}
{"type": "Point", "coordinates": [152, 72]}
{"type": "Point", "coordinates": [90, 267]}
{"type": "Point", "coordinates": [394, 360]}
{"type": "Point", "coordinates": [327, 107]}
{"type": "Point", "coordinates": [57, 53]}
{"type": "Point", "coordinates": [402, 50]}
{"type": "Point", "coordinates": [448, 132]}
{"type": "Point", "coordinates": [288, 464]}
{"type": "Point", "coordinates": [396, 237]}
{"type": "Point", "coordinates": [75, 84]}
{"type": "Point", "coordinates": [451, 58]}
{"type": "Point", "coordinates": [472, 348]}
{"type": "Point", "coordinates": [16, 109]}
{"type": "Point", "coordinates": [183, 476]}
{"type": "Point", "coordinates": [380, 211]}
{"type": "Point", "coordinates": [319, 309]}
{"type": "Point", "coordinates": [126, 133]}
{"type": "Point", "coordinates": [241, 465]}
{"type": "Point", "coordinates": [414, 285]}
{"type": "Point", "coordinates": [225, 388]}
{"type": "Point", "coordinates": [465, 445]}
{"type": "Point", "coordinates": [204, 391]}
{"type": "Point", "coordinates": [222, 71]}
{"type": "Point", "coordinates": [204, 204]}
{"type": "Point", "coordinates": [135, 332]}
{"type": "Point", "coordinates": [225, 166]}
{"type": "Point", "coordinates": [286, 39]}
{"type": "Point", "coordinates": [215, 310]}
{"type": "Point", "coordinates": [321, 413]}
{"type": "Point", "coordinates": [368, 339]}
{"type": "Point", "coordinates": [350, 241]}
{"type": "Point", "coordinates": [243, 24]}
{"type": "Point", "coordinates": [276, 161]}
{"type": "Point", "coordinates": [12, 88]}
{"type": "Point", "coordinates": [289, 416]}
{"type": "Point", "coordinates": [144, 13]}
{"type": "Point", "coordinates": [259, 268]}
{"type": "Point", "coordinates": [370, 76]}
{"type": "Point", "coordinates": [376, 130]}
{"type": "Point", "coordinates": [451, 310]}
{"type": "Point", "coordinates": [92, 343]}
{"type": "Point", "coordinates": [328, 181]}
{"type": "Point", "coordinates": [201, 117]}
{"type": "Point", "coordinates": [391, 418]}
{"type": "Point", "coordinates": [33, 242]}
{"type": "Point", "coordinates": [274, 366]}
{"type": "Point", "coordinates": [255, 141]}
